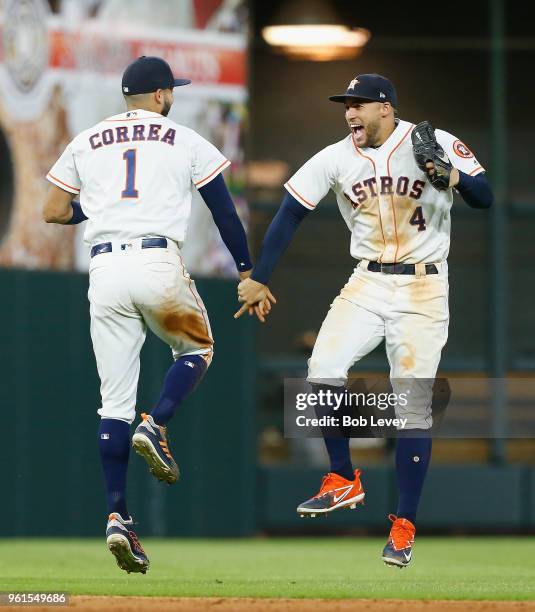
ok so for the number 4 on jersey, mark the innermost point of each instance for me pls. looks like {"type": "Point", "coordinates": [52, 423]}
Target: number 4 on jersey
{"type": "Point", "coordinates": [130, 190]}
{"type": "Point", "coordinates": [418, 219]}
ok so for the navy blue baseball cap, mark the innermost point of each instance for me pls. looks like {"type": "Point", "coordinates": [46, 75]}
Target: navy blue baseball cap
{"type": "Point", "coordinates": [147, 74]}
{"type": "Point", "coordinates": [373, 87]}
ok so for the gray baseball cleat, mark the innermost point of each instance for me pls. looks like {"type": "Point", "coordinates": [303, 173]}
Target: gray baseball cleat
{"type": "Point", "coordinates": [150, 441]}
{"type": "Point", "coordinates": [123, 543]}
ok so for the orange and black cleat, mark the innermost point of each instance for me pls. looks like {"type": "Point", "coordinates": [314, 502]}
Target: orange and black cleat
{"type": "Point", "coordinates": [335, 492]}
{"type": "Point", "coordinates": [398, 549]}
{"type": "Point", "coordinates": [151, 442]}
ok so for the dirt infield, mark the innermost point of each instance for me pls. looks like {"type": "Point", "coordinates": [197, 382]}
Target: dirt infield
{"type": "Point", "coordinates": [217, 604]}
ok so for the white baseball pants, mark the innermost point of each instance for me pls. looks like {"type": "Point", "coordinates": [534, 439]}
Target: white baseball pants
{"type": "Point", "coordinates": [130, 290]}
{"type": "Point", "coordinates": [409, 311]}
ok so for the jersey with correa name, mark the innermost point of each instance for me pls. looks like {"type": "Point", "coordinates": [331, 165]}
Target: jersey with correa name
{"type": "Point", "coordinates": [134, 173]}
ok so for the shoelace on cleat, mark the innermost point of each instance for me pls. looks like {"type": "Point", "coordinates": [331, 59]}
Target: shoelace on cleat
{"type": "Point", "coordinates": [134, 539]}
{"type": "Point", "coordinates": [164, 443]}
{"type": "Point", "coordinates": [401, 533]}
{"type": "Point", "coordinates": [327, 484]}
{"type": "Point", "coordinates": [165, 449]}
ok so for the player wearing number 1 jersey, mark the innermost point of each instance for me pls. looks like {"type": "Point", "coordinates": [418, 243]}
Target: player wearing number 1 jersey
{"type": "Point", "coordinates": [393, 184]}
{"type": "Point", "coordinates": [135, 173]}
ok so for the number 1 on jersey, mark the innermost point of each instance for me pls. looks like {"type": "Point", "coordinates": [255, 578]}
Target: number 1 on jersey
{"type": "Point", "coordinates": [130, 190]}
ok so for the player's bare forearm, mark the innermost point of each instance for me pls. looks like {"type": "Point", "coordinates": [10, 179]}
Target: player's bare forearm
{"type": "Point", "coordinates": [57, 208]}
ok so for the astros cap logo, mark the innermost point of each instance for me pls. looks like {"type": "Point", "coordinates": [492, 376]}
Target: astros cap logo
{"type": "Point", "coordinates": [353, 83]}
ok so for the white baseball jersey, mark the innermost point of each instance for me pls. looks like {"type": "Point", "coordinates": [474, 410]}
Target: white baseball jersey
{"type": "Point", "coordinates": [393, 213]}
{"type": "Point", "coordinates": [135, 173]}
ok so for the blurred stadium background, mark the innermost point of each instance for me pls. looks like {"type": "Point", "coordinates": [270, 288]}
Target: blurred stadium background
{"type": "Point", "coordinates": [467, 70]}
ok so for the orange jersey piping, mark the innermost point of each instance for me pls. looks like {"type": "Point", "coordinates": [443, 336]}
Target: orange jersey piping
{"type": "Point", "coordinates": [225, 163]}
{"type": "Point", "coordinates": [299, 195]}
{"type": "Point", "coordinates": [378, 201]}
{"type": "Point", "coordinates": [392, 196]}
{"type": "Point", "coordinates": [77, 189]}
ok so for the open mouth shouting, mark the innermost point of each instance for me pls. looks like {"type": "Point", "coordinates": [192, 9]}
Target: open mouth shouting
{"type": "Point", "coordinates": [359, 132]}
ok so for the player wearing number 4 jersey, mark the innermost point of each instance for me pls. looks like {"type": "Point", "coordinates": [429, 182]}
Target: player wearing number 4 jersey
{"type": "Point", "coordinates": [393, 183]}
{"type": "Point", "coordinates": [135, 173]}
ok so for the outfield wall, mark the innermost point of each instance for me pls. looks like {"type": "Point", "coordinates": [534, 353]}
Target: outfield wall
{"type": "Point", "coordinates": [51, 480]}
{"type": "Point", "coordinates": [472, 498]}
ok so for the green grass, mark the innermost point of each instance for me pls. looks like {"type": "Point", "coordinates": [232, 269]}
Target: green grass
{"type": "Point", "coordinates": [443, 568]}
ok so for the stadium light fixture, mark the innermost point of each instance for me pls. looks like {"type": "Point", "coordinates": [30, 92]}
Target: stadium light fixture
{"type": "Point", "coordinates": [312, 31]}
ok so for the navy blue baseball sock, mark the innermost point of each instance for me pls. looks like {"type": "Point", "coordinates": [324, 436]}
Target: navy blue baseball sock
{"type": "Point", "coordinates": [412, 460]}
{"type": "Point", "coordinates": [337, 445]}
{"type": "Point", "coordinates": [181, 379]}
{"type": "Point", "coordinates": [114, 445]}
{"type": "Point", "coordinates": [338, 449]}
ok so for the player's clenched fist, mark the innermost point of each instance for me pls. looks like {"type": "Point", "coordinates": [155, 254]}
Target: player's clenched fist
{"type": "Point", "coordinates": [256, 298]}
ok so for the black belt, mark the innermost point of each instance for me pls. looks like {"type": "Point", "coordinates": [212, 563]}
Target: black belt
{"type": "Point", "coordinates": [146, 243]}
{"type": "Point", "coordinates": [399, 268]}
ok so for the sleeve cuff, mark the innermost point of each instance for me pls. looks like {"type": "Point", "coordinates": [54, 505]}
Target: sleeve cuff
{"type": "Point", "coordinates": [244, 266]}
{"type": "Point", "coordinates": [62, 185]}
{"type": "Point", "coordinates": [213, 174]}
{"type": "Point", "coordinates": [475, 171]}
{"type": "Point", "coordinates": [259, 277]}
{"type": "Point", "coordinates": [299, 197]}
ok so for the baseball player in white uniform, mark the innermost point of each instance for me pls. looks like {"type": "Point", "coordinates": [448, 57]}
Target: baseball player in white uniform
{"type": "Point", "coordinates": [393, 183]}
{"type": "Point", "coordinates": [134, 174]}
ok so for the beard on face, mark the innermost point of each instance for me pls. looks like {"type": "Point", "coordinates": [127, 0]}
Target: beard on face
{"type": "Point", "coordinates": [166, 107]}
{"type": "Point", "coordinates": [372, 131]}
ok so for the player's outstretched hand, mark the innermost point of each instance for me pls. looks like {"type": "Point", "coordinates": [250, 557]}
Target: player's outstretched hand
{"type": "Point", "coordinates": [261, 310]}
{"type": "Point", "coordinates": [256, 298]}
